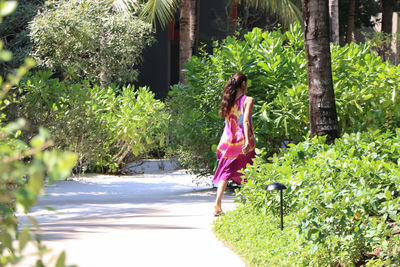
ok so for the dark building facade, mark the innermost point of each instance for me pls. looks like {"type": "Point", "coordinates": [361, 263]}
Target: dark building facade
{"type": "Point", "coordinates": [160, 68]}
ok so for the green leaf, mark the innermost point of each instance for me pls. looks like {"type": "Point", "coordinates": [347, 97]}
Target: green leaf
{"type": "Point", "coordinates": [7, 7]}
{"type": "Point", "coordinates": [44, 132]}
{"type": "Point", "coordinates": [25, 199]}
{"type": "Point", "coordinates": [36, 181]}
{"type": "Point", "coordinates": [24, 238]}
{"type": "Point", "coordinates": [34, 222]}
{"type": "Point", "coordinates": [388, 194]}
{"type": "Point", "coordinates": [37, 141]}
{"type": "Point", "coordinates": [14, 126]}
{"type": "Point", "coordinates": [39, 263]}
{"type": "Point", "coordinates": [68, 161]}
{"type": "Point", "coordinates": [29, 62]}
{"type": "Point", "coordinates": [61, 260]}
{"type": "Point", "coordinates": [6, 239]}
{"type": "Point", "coordinates": [5, 55]}
{"type": "Point", "coordinates": [393, 95]}
{"type": "Point", "coordinates": [214, 148]}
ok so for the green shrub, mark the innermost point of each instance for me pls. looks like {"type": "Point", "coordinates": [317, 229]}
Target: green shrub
{"type": "Point", "coordinates": [106, 127]}
{"type": "Point", "coordinates": [63, 109]}
{"type": "Point", "coordinates": [135, 121]}
{"type": "Point", "coordinates": [366, 89]}
{"type": "Point", "coordinates": [194, 107]}
{"type": "Point", "coordinates": [366, 92]}
{"type": "Point", "coordinates": [343, 198]}
{"type": "Point", "coordinates": [23, 169]}
{"type": "Point", "coordinates": [14, 33]}
{"type": "Point", "coordinates": [89, 40]}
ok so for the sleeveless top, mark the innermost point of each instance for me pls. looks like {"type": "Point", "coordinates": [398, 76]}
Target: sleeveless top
{"type": "Point", "coordinates": [232, 140]}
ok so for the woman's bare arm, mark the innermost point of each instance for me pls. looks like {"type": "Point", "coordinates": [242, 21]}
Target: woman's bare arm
{"type": "Point", "coordinates": [248, 106]}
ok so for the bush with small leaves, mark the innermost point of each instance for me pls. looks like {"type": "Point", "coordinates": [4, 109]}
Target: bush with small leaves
{"type": "Point", "coordinates": [89, 40]}
{"type": "Point", "coordinates": [15, 34]}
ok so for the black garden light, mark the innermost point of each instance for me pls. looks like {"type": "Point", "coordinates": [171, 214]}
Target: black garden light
{"type": "Point", "coordinates": [277, 186]}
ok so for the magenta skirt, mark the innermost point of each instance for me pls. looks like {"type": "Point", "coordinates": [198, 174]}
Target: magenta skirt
{"type": "Point", "coordinates": [229, 169]}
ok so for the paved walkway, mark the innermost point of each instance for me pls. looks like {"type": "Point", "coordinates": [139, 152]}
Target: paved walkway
{"type": "Point", "coordinates": [159, 219]}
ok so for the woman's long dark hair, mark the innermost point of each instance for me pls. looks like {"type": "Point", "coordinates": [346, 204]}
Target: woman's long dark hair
{"type": "Point", "coordinates": [230, 92]}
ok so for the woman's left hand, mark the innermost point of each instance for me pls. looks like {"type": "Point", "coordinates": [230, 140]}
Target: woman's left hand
{"type": "Point", "coordinates": [246, 148]}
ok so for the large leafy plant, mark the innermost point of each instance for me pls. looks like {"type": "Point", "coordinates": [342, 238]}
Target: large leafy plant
{"type": "Point", "coordinates": [135, 121]}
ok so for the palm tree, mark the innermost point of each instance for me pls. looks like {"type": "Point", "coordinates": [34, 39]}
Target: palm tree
{"type": "Point", "coordinates": [334, 21]}
{"type": "Point", "coordinates": [152, 11]}
{"type": "Point", "coordinates": [350, 21]}
{"type": "Point", "coordinates": [185, 33]}
{"type": "Point", "coordinates": [161, 12]}
{"type": "Point", "coordinates": [287, 11]}
{"type": "Point", "coordinates": [322, 107]}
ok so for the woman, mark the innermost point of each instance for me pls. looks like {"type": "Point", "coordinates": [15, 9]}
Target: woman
{"type": "Point", "coordinates": [236, 147]}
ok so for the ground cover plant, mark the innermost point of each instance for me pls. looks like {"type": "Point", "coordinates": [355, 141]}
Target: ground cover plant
{"type": "Point", "coordinates": [107, 127]}
{"type": "Point", "coordinates": [258, 238]}
{"type": "Point", "coordinates": [365, 89]}
{"type": "Point", "coordinates": [342, 203]}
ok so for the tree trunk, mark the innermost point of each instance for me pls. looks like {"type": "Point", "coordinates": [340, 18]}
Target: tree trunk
{"type": "Point", "coordinates": [387, 16]}
{"type": "Point", "coordinates": [322, 107]}
{"type": "Point", "coordinates": [350, 21]}
{"type": "Point", "coordinates": [185, 50]}
{"type": "Point", "coordinates": [194, 25]}
{"type": "Point", "coordinates": [234, 16]}
{"type": "Point", "coordinates": [188, 33]}
{"type": "Point", "coordinates": [334, 21]}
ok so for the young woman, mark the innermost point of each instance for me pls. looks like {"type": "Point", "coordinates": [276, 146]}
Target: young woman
{"type": "Point", "coordinates": [236, 147]}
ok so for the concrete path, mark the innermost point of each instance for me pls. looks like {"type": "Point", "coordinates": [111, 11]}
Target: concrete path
{"type": "Point", "coordinates": [158, 219]}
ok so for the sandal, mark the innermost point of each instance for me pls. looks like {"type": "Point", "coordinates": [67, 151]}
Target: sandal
{"type": "Point", "coordinates": [219, 213]}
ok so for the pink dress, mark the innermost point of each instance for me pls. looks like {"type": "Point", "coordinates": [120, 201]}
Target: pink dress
{"type": "Point", "coordinates": [229, 150]}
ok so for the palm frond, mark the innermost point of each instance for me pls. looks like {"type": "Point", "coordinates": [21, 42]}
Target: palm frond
{"type": "Point", "coordinates": [159, 10]}
{"type": "Point", "coordinates": [286, 10]}
{"type": "Point", "coordinates": [126, 6]}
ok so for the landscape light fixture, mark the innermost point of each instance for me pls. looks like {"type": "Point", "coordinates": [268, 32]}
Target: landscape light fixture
{"type": "Point", "coordinates": [277, 186]}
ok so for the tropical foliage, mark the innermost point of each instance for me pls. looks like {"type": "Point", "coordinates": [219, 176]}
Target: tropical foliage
{"type": "Point", "coordinates": [288, 11]}
{"type": "Point", "coordinates": [162, 10]}
{"type": "Point", "coordinates": [88, 40]}
{"type": "Point", "coordinates": [106, 127]}
{"type": "Point", "coordinates": [14, 34]}
{"type": "Point", "coordinates": [365, 88]}
{"type": "Point", "coordinates": [23, 168]}
{"type": "Point", "coordinates": [342, 200]}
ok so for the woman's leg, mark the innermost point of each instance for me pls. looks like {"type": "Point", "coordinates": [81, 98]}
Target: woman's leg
{"type": "Point", "coordinates": [220, 192]}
